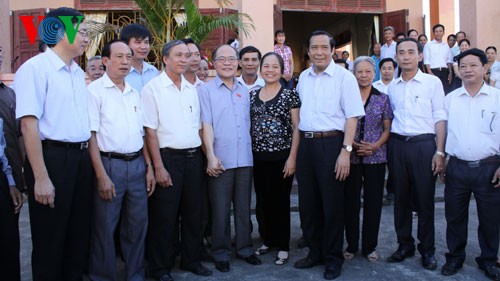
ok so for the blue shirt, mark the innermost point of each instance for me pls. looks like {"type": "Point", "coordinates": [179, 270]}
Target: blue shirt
{"type": "Point", "coordinates": [228, 112]}
{"type": "Point", "coordinates": [6, 169]}
{"type": "Point", "coordinates": [377, 69]}
{"type": "Point", "coordinates": [138, 80]}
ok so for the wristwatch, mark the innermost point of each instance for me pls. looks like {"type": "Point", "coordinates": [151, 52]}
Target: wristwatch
{"type": "Point", "coordinates": [348, 148]}
{"type": "Point", "coordinates": [440, 153]}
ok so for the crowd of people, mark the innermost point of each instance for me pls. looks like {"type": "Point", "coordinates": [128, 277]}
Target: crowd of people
{"type": "Point", "coordinates": [151, 163]}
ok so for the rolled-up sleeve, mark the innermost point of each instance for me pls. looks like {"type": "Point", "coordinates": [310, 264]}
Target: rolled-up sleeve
{"type": "Point", "coordinates": [94, 103]}
{"type": "Point", "coordinates": [438, 107]}
{"type": "Point", "coordinates": [149, 107]}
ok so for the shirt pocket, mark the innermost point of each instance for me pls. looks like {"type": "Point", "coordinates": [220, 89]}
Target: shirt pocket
{"type": "Point", "coordinates": [489, 121]}
{"type": "Point", "coordinates": [422, 107]}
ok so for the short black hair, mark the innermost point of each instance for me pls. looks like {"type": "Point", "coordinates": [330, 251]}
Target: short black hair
{"type": "Point", "coordinates": [475, 52]}
{"type": "Point", "coordinates": [64, 11]}
{"type": "Point", "coordinates": [250, 49]}
{"type": "Point", "coordinates": [191, 41]}
{"type": "Point", "coordinates": [463, 32]}
{"type": "Point", "coordinates": [318, 33]}
{"type": "Point", "coordinates": [463, 40]}
{"type": "Point", "coordinates": [214, 52]}
{"type": "Point", "coordinates": [134, 30]}
{"type": "Point", "coordinates": [280, 60]}
{"type": "Point", "coordinates": [436, 26]}
{"type": "Point", "coordinates": [279, 31]}
{"type": "Point", "coordinates": [410, 31]}
{"type": "Point", "coordinates": [106, 50]}
{"type": "Point", "coordinates": [452, 36]}
{"type": "Point", "coordinates": [42, 46]}
{"type": "Point", "coordinates": [422, 35]}
{"type": "Point", "coordinates": [386, 60]}
{"type": "Point", "coordinates": [491, 47]}
{"type": "Point", "coordinates": [408, 39]}
{"type": "Point", "coordinates": [401, 34]}
{"type": "Point", "coordinates": [345, 52]}
{"type": "Point", "coordinates": [342, 61]}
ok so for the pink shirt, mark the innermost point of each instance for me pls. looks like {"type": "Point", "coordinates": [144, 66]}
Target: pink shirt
{"type": "Point", "coordinates": [286, 54]}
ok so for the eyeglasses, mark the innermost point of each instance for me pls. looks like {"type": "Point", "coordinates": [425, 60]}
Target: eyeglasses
{"type": "Point", "coordinates": [84, 33]}
{"type": "Point", "coordinates": [224, 59]}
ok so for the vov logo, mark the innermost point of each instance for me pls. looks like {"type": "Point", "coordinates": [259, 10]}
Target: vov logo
{"type": "Point", "coordinates": [50, 30]}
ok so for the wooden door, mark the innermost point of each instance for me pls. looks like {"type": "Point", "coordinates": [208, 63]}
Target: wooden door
{"type": "Point", "coordinates": [22, 49]}
{"type": "Point", "coordinates": [396, 19]}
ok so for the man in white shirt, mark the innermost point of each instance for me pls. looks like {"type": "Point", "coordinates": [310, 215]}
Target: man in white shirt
{"type": "Point", "coordinates": [456, 49]}
{"type": "Point", "coordinates": [387, 67]}
{"type": "Point", "coordinates": [437, 58]}
{"type": "Point", "coordinates": [116, 150]}
{"type": "Point", "coordinates": [345, 56]}
{"type": "Point", "coordinates": [172, 123]}
{"type": "Point", "coordinates": [193, 64]}
{"type": "Point", "coordinates": [331, 105]}
{"type": "Point", "coordinates": [473, 143]}
{"type": "Point", "coordinates": [415, 152]}
{"type": "Point", "coordinates": [51, 100]}
{"type": "Point", "coordinates": [388, 49]}
{"type": "Point", "coordinates": [249, 63]}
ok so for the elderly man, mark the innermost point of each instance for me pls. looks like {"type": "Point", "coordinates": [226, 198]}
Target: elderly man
{"type": "Point", "coordinates": [473, 143]}
{"type": "Point", "coordinates": [95, 69]}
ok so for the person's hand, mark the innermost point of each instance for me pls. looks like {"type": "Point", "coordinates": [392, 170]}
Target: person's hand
{"type": "Point", "coordinates": [163, 177]}
{"type": "Point", "coordinates": [17, 198]}
{"type": "Point", "coordinates": [450, 78]}
{"type": "Point", "coordinates": [45, 193]}
{"type": "Point", "coordinates": [214, 166]}
{"type": "Point", "coordinates": [106, 188]}
{"type": "Point", "coordinates": [289, 168]}
{"type": "Point", "coordinates": [437, 165]}
{"type": "Point", "coordinates": [342, 165]}
{"type": "Point", "coordinates": [496, 178]}
{"type": "Point", "coordinates": [365, 148]}
{"type": "Point", "coordinates": [287, 77]}
{"type": "Point", "coordinates": [150, 180]}
{"type": "Point", "coordinates": [442, 174]}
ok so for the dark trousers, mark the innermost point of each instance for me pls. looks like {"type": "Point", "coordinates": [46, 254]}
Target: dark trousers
{"type": "Point", "coordinates": [9, 234]}
{"type": "Point", "coordinates": [321, 199]}
{"type": "Point", "coordinates": [371, 178]}
{"type": "Point", "coordinates": [462, 180]}
{"type": "Point", "coordinates": [414, 186]}
{"type": "Point", "coordinates": [287, 84]}
{"type": "Point", "coordinates": [442, 74]}
{"type": "Point", "coordinates": [273, 194]}
{"type": "Point", "coordinates": [60, 235]}
{"type": "Point", "coordinates": [183, 199]}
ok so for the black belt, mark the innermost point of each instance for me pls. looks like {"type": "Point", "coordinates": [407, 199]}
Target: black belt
{"type": "Point", "coordinates": [440, 69]}
{"type": "Point", "coordinates": [416, 138]}
{"type": "Point", "coordinates": [479, 163]}
{"type": "Point", "coordinates": [320, 135]}
{"type": "Point", "coordinates": [188, 152]}
{"type": "Point", "coordinates": [69, 145]}
{"type": "Point", "coordinates": [122, 156]}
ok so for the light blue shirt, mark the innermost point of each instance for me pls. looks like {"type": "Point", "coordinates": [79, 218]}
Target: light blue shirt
{"type": "Point", "coordinates": [138, 80]}
{"type": "Point", "coordinates": [377, 69]}
{"type": "Point", "coordinates": [7, 170]}
{"type": "Point", "coordinates": [228, 112]}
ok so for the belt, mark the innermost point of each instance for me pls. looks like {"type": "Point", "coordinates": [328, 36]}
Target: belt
{"type": "Point", "coordinates": [69, 145]}
{"type": "Point", "coordinates": [320, 135]}
{"type": "Point", "coordinates": [440, 69]}
{"type": "Point", "coordinates": [188, 152]}
{"type": "Point", "coordinates": [122, 156]}
{"type": "Point", "coordinates": [479, 163]}
{"type": "Point", "coordinates": [416, 138]}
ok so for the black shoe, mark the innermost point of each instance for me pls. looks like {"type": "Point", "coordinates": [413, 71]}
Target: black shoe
{"type": "Point", "coordinates": [306, 263]}
{"type": "Point", "coordinates": [450, 268]}
{"type": "Point", "coordinates": [222, 266]}
{"type": "Point", "coordinates": [166, 277]}
{"type": "Point", "coordinates": [491, 271]}
{"type": "Point", "coordinates": [400, 255]}
{"type": "Point", "coordinates": [331, 272]}
{"type": "Point", "coordinates": [301, 243]}
{"type": "Point", "coordinates": [252, 259]}
{"type": "Point", "coordinates": [199, 270]}
{"type": "Point", "coordinates": [429, 261]}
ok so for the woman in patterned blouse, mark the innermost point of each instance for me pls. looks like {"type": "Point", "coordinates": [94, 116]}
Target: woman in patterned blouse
{"type": "Point", "coordinates": [368, 162]}
{"type": "Point", "coordinates": [274, 113]}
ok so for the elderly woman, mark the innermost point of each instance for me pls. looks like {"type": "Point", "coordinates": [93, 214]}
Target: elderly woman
{"type": "Point", "coordinates": [274, 115]}
{"type": "Point", "coordinates": [367, 164]}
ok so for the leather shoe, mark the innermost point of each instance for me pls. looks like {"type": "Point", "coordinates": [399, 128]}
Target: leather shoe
{"type": "Point", "coordinates": [491, 271]}
{"type": "Point", "coordinates": [429, 261]}
{"type": "Point", "coordinates": [222, 266]}
{"type": "Point", "coordinates": [400, 255]}
{"type": "Point", "coordinates": [331, 272]}
{"type": "Point", "coordinates": [305, 263]}
{"type": "Point", "coordinates": [166, 277]}
{"type": "Point", "coordinates": [198, 270]}
{"type": "Point", "coordinates": [253, 260]}
{"type": "Point", "coordinates": [450, 268]}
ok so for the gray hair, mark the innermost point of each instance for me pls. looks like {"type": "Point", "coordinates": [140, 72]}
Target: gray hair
{"type": "Point", "coordinates": [362, 59]}
{"type": "Point", "coordinates": [93, 59]}
{"type": "Point", "coordinates": [165, 51]}
{"type": "Point", "coordinates": [389, 28]}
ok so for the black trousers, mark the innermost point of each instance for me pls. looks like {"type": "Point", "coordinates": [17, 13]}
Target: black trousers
{"type": "Point", "coordinates": [9, 235]}
{"type": "Point", "coordinates": [273, 194]}
{"type": "Point", "coordinates": [462, 180]}
{"type": "Point", "coordinates": [371, 178]}
{"type": "Point", "coordinates": [166, 205]}
{"type": "Point", "coordinates": [60, 235]}
{"type": "Point", "coordinates": [442, 74]}
{"type": "Point", "coordinates": [321, 199]}
{"type": "Point", "coordinates": [414, 187]}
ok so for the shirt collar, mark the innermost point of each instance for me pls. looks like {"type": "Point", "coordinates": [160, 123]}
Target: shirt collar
{"type": "Point", "coordinates": [418, 77]}
{"type": "Point", "coordinates": [145, 67]}
{"type": "Point", "coordinates": [167, 82]}
{"type": "Point", "coordinates": [107, 83]}
{"type": "Point", "coordinates": [219, 81]}
{"type": "Point", "coordinates": [58, 63]}
{"type": "Point", "coordinates": [330, 69]}
{"type": "Point", "coordinates": [485, 89]}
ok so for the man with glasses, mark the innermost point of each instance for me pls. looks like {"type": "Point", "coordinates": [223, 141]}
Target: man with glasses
{"type": "Point", "coordinates": [225, 113]}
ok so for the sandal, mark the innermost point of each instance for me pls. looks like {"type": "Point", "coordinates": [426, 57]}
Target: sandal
{"type": "Point", "coordinates": [282, 258]}
{"type": "Point", "coordinates": [262, 250]}
{"type": "Point", "coordinates": [348, 255]}
{"type": "Point", "coordinates": [372, 257]}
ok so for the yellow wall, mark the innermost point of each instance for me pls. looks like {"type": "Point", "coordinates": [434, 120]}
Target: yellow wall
{"type": "Point", "coordinates": [6, 41]}
{"type": "Point", "coordinates": [262, 14]}
{"type": "Point", "coordinates": [487, 16]}
{"type": "Point", "coordinates": [36, 4]}
{"type": "Point", "coordinates": [447, 16]}
{"type": "Point", "coordinates": [415, 8]}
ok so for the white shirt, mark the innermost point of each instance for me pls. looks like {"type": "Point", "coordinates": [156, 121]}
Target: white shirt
{"type": "Point", "coordinates": [473, 123]}
{"type": "Point", "coordinates": [56, 95]}
{"type": "Point", "coordinates": [381, 87]}
{"type": "Point", "coordinates": [198, 82]}
{"type": "Point", "coordinates": [328, 99]}
{"type": "Point", "coordinates": [455, 51]}
{"type": "Point", "coordinates": [495, 67]}
{"type": "Point", "coordinates": [259, 83]}
{"type": "Point", "coordinates": [115, 116]}
{"type": "Point", "coordinates": [417, 104]}
{"type": "Point", "coordinates": [174, 114]}
{"type": "Point", "coordinates": [437, 54]}
{"type": "Point", "coordinates": [388, 51]}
